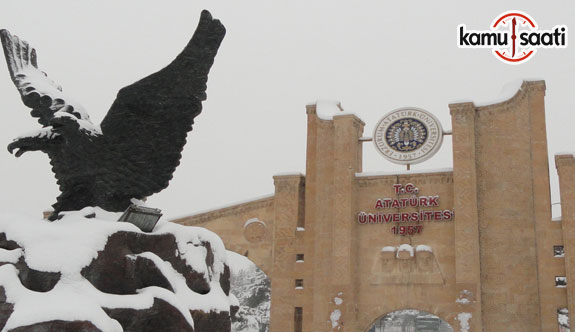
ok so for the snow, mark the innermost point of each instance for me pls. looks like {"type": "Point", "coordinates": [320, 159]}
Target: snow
{"type": "Point", "coordinates": [556, 211]}
{"type": "Point", "coordinates": [563, 318]}
{"type": "Point", "coordinates": [64, 302]}
{"type": "Point", "coordinates": [405, 247]}
{"type": "Point", "coordinates": [66, 245]}
{"type": "Point", "coordinates": [71, 243]}
{"type": "Point", "coordinates": [252, 289]}
{"type": "Point", "coordinates": [46, 132]}
{"type": "Point", "coordinates": [84, 124]}
{"type": "Point", "coordinates": [327, 109]}
{"type": "Point", "coordinates": [237, 262]}
{"type": "Point", "coordinates": [30, 77]}
{"type": "Point", "coordinates": [388, 249]}
{"type": "Point", "coordinates": [334, 318]}
{"type": "Point", "coordinates": [138, 202]}
{"type": "Point", "coordinates": [253, 220]}
{"type": "Point", "coordinates": [184, 298]}
{"type": "Point", "coordinates": [423, 247]}
{"type": "Point", "coordinates": [405, 172]}
{"type": "Point", "coordinates": [233, 300]}
{"type": "Point", "coordinates": [10, 256]}
{"type": "Point", "coordinates": [189, 239]}
{"type": "Point", "coordinates": [463, 318]}
{"type": "Point", "coordinates": [464, 297]}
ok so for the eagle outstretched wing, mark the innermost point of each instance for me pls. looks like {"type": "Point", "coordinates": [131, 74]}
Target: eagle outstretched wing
{"type": "Point", "coordinates": [37, 90]}
{"type": "Point", "coordinates": [146, 127]}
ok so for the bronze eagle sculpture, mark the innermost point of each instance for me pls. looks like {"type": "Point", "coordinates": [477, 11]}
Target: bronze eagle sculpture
{"type": "Point", "coordinates": [138, 145]}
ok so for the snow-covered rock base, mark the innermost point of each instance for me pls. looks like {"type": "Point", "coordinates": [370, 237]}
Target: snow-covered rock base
{"type": "Point", "coordinates": [87, 272]}
{"type": "Point", "coordinates": [252, 287]}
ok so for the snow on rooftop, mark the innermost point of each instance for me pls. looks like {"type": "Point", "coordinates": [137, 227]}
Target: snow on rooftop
{"type": "Point", "coordinates": [327, 109]}
{"type": "Point", "coordinates": [405, 172]}
{"type": "Point", "coordinates": [71, 243]}
{"type": "Point", "coordinates": [507, 92]}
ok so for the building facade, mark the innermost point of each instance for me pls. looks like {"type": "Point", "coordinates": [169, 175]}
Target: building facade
{"type": "Point", "coordinates": [474, 245]}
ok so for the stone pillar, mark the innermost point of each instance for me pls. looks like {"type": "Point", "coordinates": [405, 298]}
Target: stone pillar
{"type": "Point", "coordinates": [542, 206]}
{"type": "Point", "coordinates": [333, 157]}
{"type": "Point", "coordinates": [347, 162]}
{"type": "Point", "coordinates": [318, 213]}
{"type": "Point", "coordinates": [288, 201]}
{"type": "Point", "coordinates": [566, 169]}
{"type": "Point", "coordinates": [467, 255]}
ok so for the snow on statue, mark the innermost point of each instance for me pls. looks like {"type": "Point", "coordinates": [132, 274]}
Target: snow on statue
{"type": "Point", "coordinates": [138, 145]}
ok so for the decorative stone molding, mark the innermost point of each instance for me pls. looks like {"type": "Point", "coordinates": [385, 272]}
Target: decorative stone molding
{"type": "Point", "coordinates": [416, 179]}
{"type": "Point", "coordinates": [254, 230]}
{"type": "Point", "coordinates": [416, 266]}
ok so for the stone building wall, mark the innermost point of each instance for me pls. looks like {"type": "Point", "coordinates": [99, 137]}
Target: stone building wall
{"type": "Point", "coordinates": [489, 268]}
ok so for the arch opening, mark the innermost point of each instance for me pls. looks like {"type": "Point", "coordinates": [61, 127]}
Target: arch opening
{"type": "Point", "coordinates": [410, 320]}
{"type": "Point", "coordinates": [252, 287]}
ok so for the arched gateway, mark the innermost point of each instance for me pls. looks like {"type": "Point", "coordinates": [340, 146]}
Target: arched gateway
{"type": "Point", "coordinates": [410, 320]}
{"type": "Point", "coordinates": [473, 244]}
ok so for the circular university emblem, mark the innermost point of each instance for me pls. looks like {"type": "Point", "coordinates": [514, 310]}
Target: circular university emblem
{"type": "Point", "coordinates": [408, 135]}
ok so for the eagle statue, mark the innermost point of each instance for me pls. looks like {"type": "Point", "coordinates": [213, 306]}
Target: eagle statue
{"type": "Point", "coordinates": [138, 145]}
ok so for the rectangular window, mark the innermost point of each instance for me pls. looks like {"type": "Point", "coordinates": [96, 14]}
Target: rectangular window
{"type": "Point", "coordinates": [299, 284]}
{"type": "Point", "coordinates": [298, 319]}
{"type": "Point", "coordinates": [558, 251]}
{"type": "Point", "coordinates": [299, 258]}
{"type": "Point", "coordinates": [563, 319]}
{"type": "Point", "coordinates": [561, 282]}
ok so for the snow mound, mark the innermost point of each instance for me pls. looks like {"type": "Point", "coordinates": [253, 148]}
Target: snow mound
{"type": "Point", "coordinates": [87, 254]}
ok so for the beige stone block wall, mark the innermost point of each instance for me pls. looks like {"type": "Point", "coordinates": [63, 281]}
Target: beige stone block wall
{"type": "Point", "coordinates": [566, 168]}
{"type": "Point", "coordinates": [506, 166]}
{"type": "Point", "coordinates": [388, 284]}
{"type": "Point", "coordinates": [467, 244]}
{"type": "Point", "coordinates": [494, 260]}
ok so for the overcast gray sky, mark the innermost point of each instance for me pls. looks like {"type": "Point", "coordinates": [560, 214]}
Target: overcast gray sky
{"type": "Point", "coordinates": [277, 56]}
